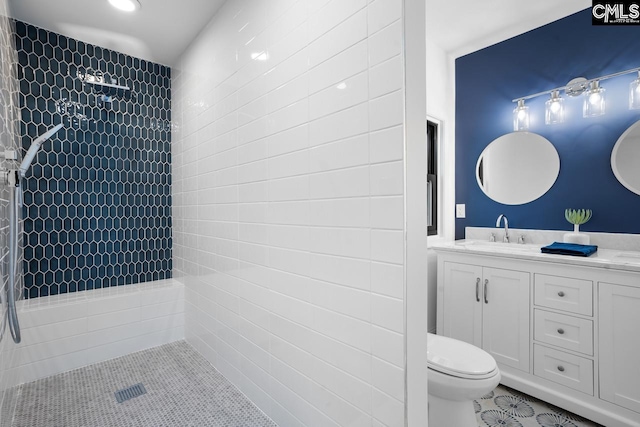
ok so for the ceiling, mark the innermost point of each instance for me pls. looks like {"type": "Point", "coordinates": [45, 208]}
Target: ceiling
{"type": "Point", "coordinates": [162, 29]}
{"type": "Point", "coordinates": [159, 31]}
{"type": "Point", "coordinates": [460, 27]}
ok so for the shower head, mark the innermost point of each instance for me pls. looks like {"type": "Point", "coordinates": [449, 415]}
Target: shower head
{"type": "Point", "coordinates": [35, 146]}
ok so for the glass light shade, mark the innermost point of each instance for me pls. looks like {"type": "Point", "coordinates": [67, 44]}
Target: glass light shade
{"type": "Point", "coordinates": [634, 94]}
{"type": "Point", "coordinates": [521, 116]}
{"type": "Point", "coordinates": [594, 102]}
{"type": "Point", "coordinates": [554, 109]}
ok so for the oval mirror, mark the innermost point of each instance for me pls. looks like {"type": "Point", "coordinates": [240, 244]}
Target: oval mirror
{"type": "Point", "coordinates": [625, 158]}
{"type": "Point", "coordinates": [517, 168]}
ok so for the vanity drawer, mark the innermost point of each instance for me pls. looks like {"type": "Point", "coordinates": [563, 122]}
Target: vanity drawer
{"type": "Point", "coordinates": [563, 368]}
{"type": "Point", "coordinates": [564, 293]}
{"type": "Point", "coordinates": [563, 331]}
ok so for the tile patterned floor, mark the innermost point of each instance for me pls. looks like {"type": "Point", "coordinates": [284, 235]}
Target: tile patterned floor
{"type": "Point", "coordinates": [506, 407]}
{"type": "Point", "coordinates": [183, 390]}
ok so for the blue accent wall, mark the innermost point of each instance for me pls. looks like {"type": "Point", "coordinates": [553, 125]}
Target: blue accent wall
{"type": "Point", "coordinates": [97, 201]}
{"type": "Point", "coordinates": [539, 60]}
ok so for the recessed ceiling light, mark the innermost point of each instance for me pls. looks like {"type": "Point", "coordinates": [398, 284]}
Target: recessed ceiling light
{"type": "Point", "coordinates": [126, 5]}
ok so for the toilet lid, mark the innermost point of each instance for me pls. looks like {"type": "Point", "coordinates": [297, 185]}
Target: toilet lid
{"type": "Point", "coordinates": [458, 358]}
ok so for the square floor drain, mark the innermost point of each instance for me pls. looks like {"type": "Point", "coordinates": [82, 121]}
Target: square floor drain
{"type": "Point", "coordinates": [130, 392]}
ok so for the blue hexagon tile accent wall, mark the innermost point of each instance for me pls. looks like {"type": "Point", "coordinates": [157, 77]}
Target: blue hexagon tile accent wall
{"type": "Point", "coordinates": [97, 201]}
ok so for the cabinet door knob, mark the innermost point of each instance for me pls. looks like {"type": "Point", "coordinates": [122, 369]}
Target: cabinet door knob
{"type": "Point", "coordinates": [561, 368]}
{"type": "Point", "coordinates": [478, 289]}
{"type": "Point", "coordinates": [561, 331]}
{"type": "Point", "coordinates": [560, 294]}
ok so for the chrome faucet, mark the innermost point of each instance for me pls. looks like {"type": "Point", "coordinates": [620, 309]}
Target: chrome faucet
{"type": "Point", "coordinates": [506, 227]}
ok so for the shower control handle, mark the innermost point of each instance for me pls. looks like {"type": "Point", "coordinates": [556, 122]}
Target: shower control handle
{"type": "Point", "coordinates": [478, 289]}
{"type": "Point", "coordinates": [9, 177]}
{"type": "Point", "coordinates": [486, 294]}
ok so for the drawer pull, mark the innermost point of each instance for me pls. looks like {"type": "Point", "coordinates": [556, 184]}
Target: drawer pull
{"type": "Point", "coordinates": [561, 331]}
{"type": "Point", "coordinates": [561, 368]}
{"type": "Point", "coordinates": [560, 294]}
{"type": "Point", "coordinates": [478, 289]}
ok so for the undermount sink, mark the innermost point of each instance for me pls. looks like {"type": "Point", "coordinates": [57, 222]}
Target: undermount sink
{"type": "Point", "coordinates": [502, 247]}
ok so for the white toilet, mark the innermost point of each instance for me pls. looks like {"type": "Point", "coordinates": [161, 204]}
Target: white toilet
{"type": "Point", "coordinates": [458, 374]}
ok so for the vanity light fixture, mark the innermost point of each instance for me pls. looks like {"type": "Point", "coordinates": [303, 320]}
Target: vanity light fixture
{"type": "Point", "coordinates": [126, 5]}
{"type": "Point", "coordinates": [521, 116]}
{"type": "Point", "coordinates": [634, 94]}
{"type": "Point", "coordinates": [554, 109]}
{"type": "Point", "coordinates": [594, 102]}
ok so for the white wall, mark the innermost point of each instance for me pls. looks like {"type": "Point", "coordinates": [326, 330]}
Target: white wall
{"type": "Point", "coordinates": [438, 80]}
{"type": "Point", "coordinates": [288, 205]}
{"type": "Point", "coordinates": [441, 105]}
{"type": "Point", "coordinates": [416, 227]}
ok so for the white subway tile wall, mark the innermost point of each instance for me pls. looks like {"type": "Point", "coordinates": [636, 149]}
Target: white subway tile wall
{"type": "Point", "coordinates": [288, 205]}
{"type": "Point", "coordinates": [9, 139]}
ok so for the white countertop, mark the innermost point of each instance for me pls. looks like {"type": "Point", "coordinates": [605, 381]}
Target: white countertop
{"type": "Point", "coordinates": [604, 258]}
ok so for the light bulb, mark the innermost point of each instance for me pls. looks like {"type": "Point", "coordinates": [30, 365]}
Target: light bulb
{"type": "Point", "coordinates": [594, 98]}
{"type": "Point", "coordinates": [521, 116]}
{"type": "Point", "coordinates": [594, 103]}
{"type": "Point", "coordinates": [554, 109]}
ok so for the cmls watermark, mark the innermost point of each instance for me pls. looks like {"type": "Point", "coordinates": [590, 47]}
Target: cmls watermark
{"type": "Point", "coordinates": [615, 12]}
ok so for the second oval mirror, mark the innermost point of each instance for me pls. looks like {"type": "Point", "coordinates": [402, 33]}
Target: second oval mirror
{"type": "Point", "coordinates": [625, 157]}
{"type": "Point", "coordinates": [518, 168]}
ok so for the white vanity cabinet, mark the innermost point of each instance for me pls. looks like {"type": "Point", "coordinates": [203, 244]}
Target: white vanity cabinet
{"type": "Point", "coordinates": [489, 307]}
{"type": "Point", "coordinates": [620, 344]}
{"type": "Point", "coordinates": [562, 329]}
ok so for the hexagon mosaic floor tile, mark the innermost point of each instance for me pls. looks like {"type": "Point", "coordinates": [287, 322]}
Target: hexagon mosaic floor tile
{"type": "Point", "coordinates": [182, 390]}
{"type": "Point", "coordinates": [506, 407]}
